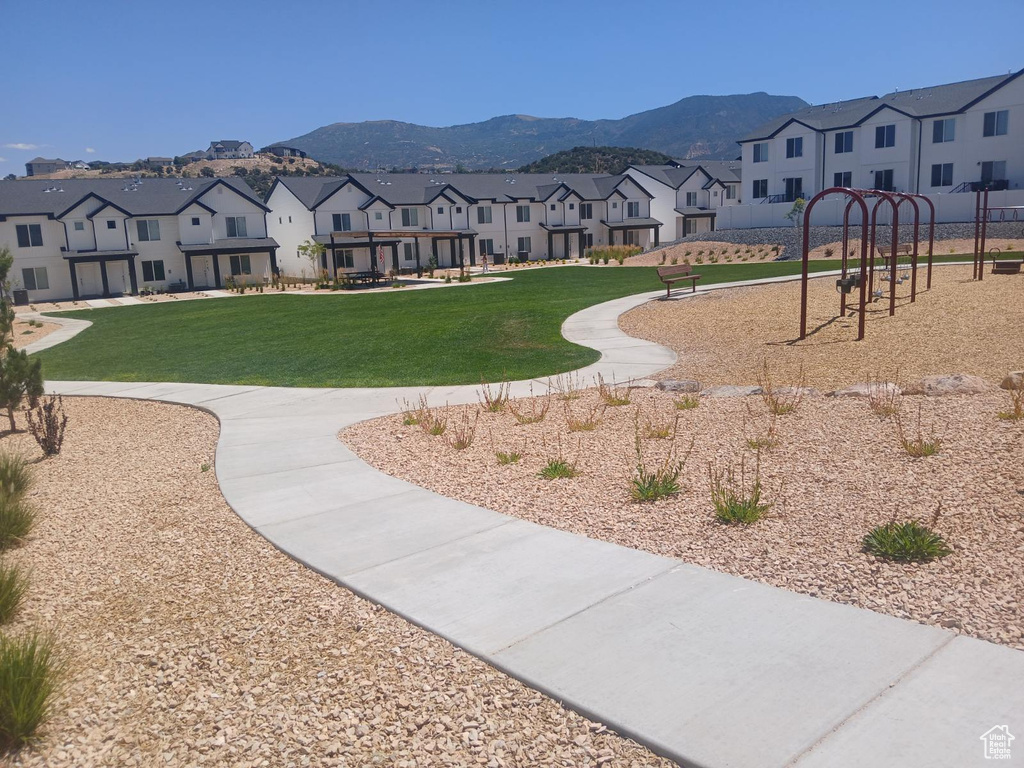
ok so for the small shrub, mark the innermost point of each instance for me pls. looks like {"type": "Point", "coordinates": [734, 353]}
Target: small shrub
{"type": "Point", "coordinates": [675, 261]}
{"type": "Point", "coordinates": [508, 458]}
{"type": "Point", "coordinates": [884, 399]}
{"type": "Point", "coordinates": [461, 435]}
{"type": "Point", "coordinates": [31, 672]}
{"type": "Point", "coordinates": [1016, 412]}
{"type": "Point", "coordinates": [433, 422]}
{"type": "Point", "coordinates": [15, 477]}
{"type": "Point", "coordinates": [830, 252]}
{"type": "Point", "coordinates": [559, 469]}
{"type": "Point", "coordinates": [494, 402]}
{"type": "Point", "coordinates": [780, 401]}
{"type": "Point", "coordinates": [661, 482]}
{"type": "Point", "coordinates": [905, 542]}
{"type": "Point", "coordinates": [588, 421]}
{"type": "Point", "coordinates": [918, 445]}
{"type": "Point", "coordinates": [13, 586]}
{"type": "Point", "coordinates": [611, 395]}
{"type": "Point", "coordinates": [569, 387]}
{"type": "Point", "coordinates": [734, 500]}
{"type": "Point", "coordinates": [47, 422]}
{"type": "Point", "coordinates": [661, 430]}
{"type": "Point", "coordinates": [687, 402]}
{"type": "Point", "coordinates": [204, 467]}
{"type": "Point", "coordinates": [532, 416]}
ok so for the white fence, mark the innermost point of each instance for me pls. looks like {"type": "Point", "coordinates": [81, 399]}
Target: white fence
{"type": "Point", "coordinates": [948, 208]}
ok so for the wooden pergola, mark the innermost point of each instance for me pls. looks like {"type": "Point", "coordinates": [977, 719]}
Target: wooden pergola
{"type": "Point", "coordinates": [366, 238]}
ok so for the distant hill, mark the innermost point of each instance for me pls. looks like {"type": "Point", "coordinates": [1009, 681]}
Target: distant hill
{"type": "Point", "coordinates": [694, 127]}
{"type": "Point", "coordinates": [595, 160]}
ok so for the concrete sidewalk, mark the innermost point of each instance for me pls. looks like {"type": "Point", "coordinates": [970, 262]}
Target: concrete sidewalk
{"type": "Point", "coordinates": [706, 668]}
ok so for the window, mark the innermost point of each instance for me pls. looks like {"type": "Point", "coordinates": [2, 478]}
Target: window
{"type": "Point", "coordinates": [883, 180]}
{"type": "Point", "coordinates": [378, 215]}
{"type": "Point", "coordinates": [236, 227]}
{"type": "Point", "coordinates": [440, 209]}
{"type": "Point", "coordinates": [794, 188]}
{"type": "Point", "coordinates": [691, 199]}
{"type": "Point", "coordinates": [407, 251]}
{"type": "Point", "coordinates": [588, 240]}
{"type": "Point", "coordinates": [346, 259]}
{"type": "Point", "coordinates": [289, 219]}
{"type": "Point", "coordinates": [342, 222]}
{"type": "Point", "coordinates": [943, 130]}
{"type": "Point", "coordinates": [240, 264]}
{"type": "Point", "coordinates": [631, 237]}
{"type": "Point", "coordinates": [996, 123]}
{"type": "Point", "coordinates": [760, 188]}
{"type": "Point", "coordinates": [410, 217]}
{"type": "Point", "coordinates": [689, 226]}
{"type": "Point", "coordinates": [842, 179]}
{"type": "Point", "coordinates": [632, 210]}
{"type": "Point", "coordinates": [458, 209]}
{"type": "Point", "coordinates": [730, 192]}
{"type": "Point", "coordinates": [111, 224]}
{"type": "Point", "coordinates": [844, 142]}
{"type": "Point", "coordinates": [795, 147]}
{"type": "Point", "coordinates": [79, 226]}
{"type": "Point", "coordinates": [279, 221]}
{"type": "Point", "coordinates": [524, 246]}
{"type": "Point", "coordinates": [553, 206]}
{"type": "Point", "coordinates": [486, 246]}
{"type": "Point", "coordinates": [761, 152]}
{"type": "Point", "coordinates": [149, 229]}
{"type": "Point", "coordinates": [572, 206]}
{"type": "Point", "coordinates": [885, 136]}
{"type": "Point", "coordinates": [615, 204]}
{"type": "Point", "coordinates": [152, 271]}
{"type": "Point", "coordinates": [942, 175]}
{"type": "Point", "coordinates": [483, 214]}
{"type": "Point", "coordinates": [195, 221]}
{"type": "Point", "coordinates": [586, 210]}
{"type": "Point", "coordinates": [35, 279]}
{"type": "Point", "coordinates": [522, 214]}
{"type": "Point", "coordinates": [993, 170]}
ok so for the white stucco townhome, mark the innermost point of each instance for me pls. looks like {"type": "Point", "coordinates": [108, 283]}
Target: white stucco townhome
{"type": "Point", "coordinates": [82, 238]}
{"type": "Point", "coordinates": [689, 193]}
{"type": "Point", "coordinates": [454, 218]}
{"type": "Point", "coordinates": [937, 140]}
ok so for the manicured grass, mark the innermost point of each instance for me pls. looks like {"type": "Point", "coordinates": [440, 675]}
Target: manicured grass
{"type": "Point", "coordinates": [456, 335]}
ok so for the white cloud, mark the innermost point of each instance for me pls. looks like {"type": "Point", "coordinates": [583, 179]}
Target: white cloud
{"type": "Point", "coordinates": [21, 146]}
{"type": "Point", "coordinates": [90, 151]}
{"type": "Point", "coordinates": [3, 159]}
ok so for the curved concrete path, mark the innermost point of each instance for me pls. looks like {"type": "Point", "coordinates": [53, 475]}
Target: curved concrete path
{"type": "Point", "coordinates": [705, 668]}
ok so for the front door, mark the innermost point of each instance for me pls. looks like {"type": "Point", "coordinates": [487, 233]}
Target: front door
{"type": "Point", "coordinates": [90, 281]}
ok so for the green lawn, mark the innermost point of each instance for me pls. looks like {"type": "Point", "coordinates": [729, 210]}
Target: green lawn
{"type": "Point", "coordinates": [456, 335]}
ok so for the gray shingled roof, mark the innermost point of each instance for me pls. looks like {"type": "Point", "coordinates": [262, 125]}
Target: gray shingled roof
{"type": "Point", "coordinates": [723, 170]}
{"type": "Point", "coordinates": [152, 197]}
{"type": "Point", "coordinates": [918, 102]}
{"type": "Point", "coordinates": [422, 188]}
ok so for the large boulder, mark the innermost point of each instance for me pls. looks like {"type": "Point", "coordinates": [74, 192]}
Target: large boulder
{"type": "Point", "coordinates": [882, 389]}
{"type": "Point", "coordinates": [1013, 380]}
{"type": "Point", "coordinates": [730, 390]}
{"type": "Point", "coordinates": [948, 384]}
{"type": "Point", "coordinates": [678, 385]}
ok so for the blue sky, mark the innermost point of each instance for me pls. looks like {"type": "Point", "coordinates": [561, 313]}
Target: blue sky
{"type": "Point", "coordinates": [119, 80]}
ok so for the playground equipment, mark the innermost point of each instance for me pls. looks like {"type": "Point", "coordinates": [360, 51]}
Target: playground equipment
{"type": "Point", "coordinates": [982, 215]}
{"type": "Point", "coordinates": [890, 272]}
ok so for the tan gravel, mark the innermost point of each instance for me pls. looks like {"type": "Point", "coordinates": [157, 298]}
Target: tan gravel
{"type": "Point", "coordinates": [194, 642]}
{"type": "Point", "coordinates": [959, 326]}
{"type": "Point", "coordinates": [25, 334]}
{"type": "Point", "coordinates": [837, 472]}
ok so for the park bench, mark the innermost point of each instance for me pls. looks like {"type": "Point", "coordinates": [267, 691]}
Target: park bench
{"type": "Point", "coordinates": [904, 249]}
{"type": "Point", "coordinates": [1010, 266]}
{"type": "Point", "coordinates": [671, 275]}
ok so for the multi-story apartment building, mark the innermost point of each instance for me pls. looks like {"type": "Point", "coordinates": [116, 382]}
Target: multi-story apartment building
{"type": "Point", "coordinates": [942, 139]}
{"type": "Point", "coordinates": [454, 218]}
{"type": "Point", "coordinates": [689, 193]}
{"type": "Point", "coordinates": [80, 238]}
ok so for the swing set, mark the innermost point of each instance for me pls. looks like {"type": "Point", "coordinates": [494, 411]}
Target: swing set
{"type": "Point", "coordinates": [983, 213]}
{"type": "Point", "coordinates": [863, 279]}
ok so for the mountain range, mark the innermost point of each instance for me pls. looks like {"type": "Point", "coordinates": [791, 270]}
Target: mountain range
{"type": "Point", "coordinates": [693, 127]}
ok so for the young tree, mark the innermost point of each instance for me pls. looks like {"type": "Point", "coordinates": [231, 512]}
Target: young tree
{"type": "Point", "coordinates": [797, 211]}
{"type": "Point", "coordinates": [311, 250]}
{"type": "Point", "coordinates": [20, 376]}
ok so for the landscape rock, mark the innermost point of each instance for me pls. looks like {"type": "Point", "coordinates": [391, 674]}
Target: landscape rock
{"type": "Point", "coordinates": [678, 385]}
{"type": "Point", "coordinates": [1013, 380]}
{"type": "Point", "coordinates": [868, 389]}
{"type": "Point", "coordinates": [731, 390]}
{"type": "Point", "coordinates": [948, 384]}
{"type": "Point", "coordinates": [796, 392]}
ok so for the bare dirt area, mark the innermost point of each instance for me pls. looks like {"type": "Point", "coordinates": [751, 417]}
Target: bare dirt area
{"type": "Point", "coordinates": [26, 333]}
{"type": "Point", "coordinates": [192, 641]}
{"type": "Point", "coordinates": [724, 337]}
{"type": "Point", "coordinates": [837, 471]}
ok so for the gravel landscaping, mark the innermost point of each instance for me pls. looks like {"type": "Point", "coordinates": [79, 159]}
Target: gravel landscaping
{"type": "Point", "coordinates": [723, 337]}
{"type": "Point", "coordinates": [25, 334]}
{"type": "Point", "coordinates": [193, 641]}
{"type": "Point", "coordinates": [837, 471]}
